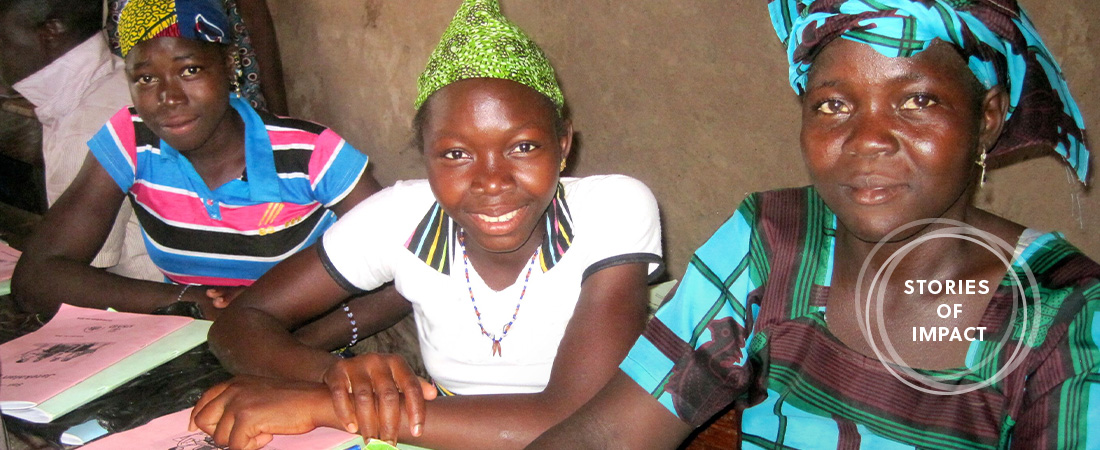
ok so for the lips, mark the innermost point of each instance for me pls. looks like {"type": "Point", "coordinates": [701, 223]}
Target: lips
{"type": "Point", "coordinates": [499, 220]}
{"type": "Point", "coordinates": [873, 189]}
{"type": "Point", "coordinates": [178, 125]}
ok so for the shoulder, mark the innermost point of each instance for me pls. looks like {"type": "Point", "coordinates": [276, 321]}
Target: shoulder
{"type": "Point", "coordinates": [383, 222]}
{"type": "Point", "coordinates": [783, 211]}
{"type": "Point", "coordinates": [610, 202]}
{"type": "Point", "coordinates": [126, 129]}
{"type": "Point", "coordinates": [608, 192]}
{"type": "Point", "coordinates": [783, 205]}
{"type": "Point", "coordinates": [1061, 291]}
{"type": "Point", "coordinates": [1055, 260]}
{"type": "Point", "coordinates": [1066, 285]}
{"type": "Point", "coordinates": [1057, 265]}
{"type": "Point", "coordinates": [277, 124]}
{"type": "Point", "coordinates": [301, 146]}
{"type": "Point", "coordinates": [604, 187]}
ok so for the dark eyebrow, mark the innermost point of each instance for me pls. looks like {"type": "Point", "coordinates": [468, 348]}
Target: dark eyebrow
{"type": "Point", "coordinates": [530, 124]}
{"type": "Point", "coordinates": [146, 62]}
{"type": "Point", "coordinates": [820, 84]}
{"type": "Point", "coordinates": [907, 77]}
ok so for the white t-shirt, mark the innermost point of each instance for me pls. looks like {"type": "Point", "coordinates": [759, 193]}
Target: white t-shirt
{"type": "Point", "coordinates": [608, 220]}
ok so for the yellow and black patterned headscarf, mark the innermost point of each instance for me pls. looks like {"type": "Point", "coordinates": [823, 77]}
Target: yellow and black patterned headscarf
{"type": "Point", "coordinates": [200, 20]}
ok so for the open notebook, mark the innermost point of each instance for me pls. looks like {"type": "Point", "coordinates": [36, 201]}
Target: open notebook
{"type": "Point", "coordinates": [83, 353]}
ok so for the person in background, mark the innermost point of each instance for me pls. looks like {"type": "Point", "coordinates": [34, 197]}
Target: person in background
{"type": "Point", "coordinates": [904, 102]}
{"type": "Point", "coordinates": [527, 287]}
{"type": "Point", "coordinates": [223, 191]}
{"type": "Point", "coordinates": [253, 34]}
{"type": "Point", "coordinates": [54, 54]}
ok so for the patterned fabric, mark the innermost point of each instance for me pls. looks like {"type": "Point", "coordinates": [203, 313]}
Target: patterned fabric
{"type": "Point", "coordinates": [199, 20]}
{"type": "Point", "coordinates": [482, 43]}
{"type": "Point", "coordinates": [996, 36]}
{"type": "Point", "coordinates": [434, 241]}
{"type": "Point", "coordinates": [249, 79]}
{"type": "Point", "coordinates": [747, 327]}
{"type": "Point", "coordinates": [295, 171]}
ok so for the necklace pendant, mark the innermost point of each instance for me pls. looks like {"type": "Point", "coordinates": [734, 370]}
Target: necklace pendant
{"type": "Point", "coordinates": [496, 348]}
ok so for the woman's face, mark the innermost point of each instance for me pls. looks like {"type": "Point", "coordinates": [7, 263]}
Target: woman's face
{"type": "Point", "coordinates": [493, 159]}
{"type": "Point", "coordinates": [891, 140]}
{"type": "Point", "coordinates": [180, 88]}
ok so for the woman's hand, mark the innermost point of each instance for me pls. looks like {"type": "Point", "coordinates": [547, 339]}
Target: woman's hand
{"type": "Point", "coordinates": [247, 411]}
{"type": "Point", "coordinates": [368, 392]}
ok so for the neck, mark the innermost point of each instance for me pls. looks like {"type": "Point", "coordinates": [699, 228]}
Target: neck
{"type": "Point", "coordinates": [500, 270]}
{"type": "Point", "coordinates": [222, 157]}
{"type": "Point", "coordinates": [935, 251]}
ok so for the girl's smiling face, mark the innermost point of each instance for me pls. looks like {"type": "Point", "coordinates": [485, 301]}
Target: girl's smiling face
{"type": "Point", "coordinates": [493, 153]}
{"type": "Point", "coordinates": [891, 140]}
{"type": "Point", "coordinates": [180, 88]}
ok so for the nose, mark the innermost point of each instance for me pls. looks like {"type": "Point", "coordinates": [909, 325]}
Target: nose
{"type": "Point", "coordinates": [872, 133]}
{"type": "Point", "coordinates": [493, 174]}
{"type": "Point", "coordinates": [171, 92]}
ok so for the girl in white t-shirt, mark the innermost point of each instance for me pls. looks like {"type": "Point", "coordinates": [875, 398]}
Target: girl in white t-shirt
{"type": "Point", "coordinates": [526, 287]}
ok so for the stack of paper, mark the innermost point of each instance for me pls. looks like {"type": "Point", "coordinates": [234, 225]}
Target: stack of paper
{"type": "Point", "coordinates": [8, 257]}
{"type": "Point", "coordinates": [84, 353]}
{"type": "Point", "coordinates": [170, 432]}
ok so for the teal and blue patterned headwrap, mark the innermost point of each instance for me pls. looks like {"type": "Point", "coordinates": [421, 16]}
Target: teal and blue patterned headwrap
{"type": "Point", "coordinates": [996, 36]}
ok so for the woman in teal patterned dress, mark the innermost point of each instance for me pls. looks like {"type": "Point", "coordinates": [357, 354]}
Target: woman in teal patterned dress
{"type": "Point", "coordinates": [879, 307]}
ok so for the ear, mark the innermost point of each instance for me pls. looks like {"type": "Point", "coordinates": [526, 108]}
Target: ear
{"type": "Point", "coordinates": [231, 63]}
{"type": "Point", "coordinates": [994, 108]}
{"type": "Point", "coordinates": [566, 140]}
{"type": "Point", "coordinates": [53, 36]}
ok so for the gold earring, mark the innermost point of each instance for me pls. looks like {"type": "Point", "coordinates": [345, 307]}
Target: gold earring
{"type": "Point", "coordinates": [981, 163]}
{"type": "Point", "coordinates": [562, 166]}
{"type": "Point", "coordinates": [235, 83]}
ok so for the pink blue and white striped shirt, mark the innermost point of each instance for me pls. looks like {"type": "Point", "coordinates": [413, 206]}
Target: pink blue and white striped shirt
{"type": "Point", "coordinates": [294, 172]}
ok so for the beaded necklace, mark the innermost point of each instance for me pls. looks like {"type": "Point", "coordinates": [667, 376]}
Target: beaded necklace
{"type": "Point", "coordinates": [508, 326]}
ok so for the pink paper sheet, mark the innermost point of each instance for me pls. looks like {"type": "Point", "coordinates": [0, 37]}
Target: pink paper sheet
{"type": "Point", "coordinates": [75, 344]}
{"type": "Point", "coordinates": [8, 257]}
{"type": "Point", "coordinates": [170, 433]}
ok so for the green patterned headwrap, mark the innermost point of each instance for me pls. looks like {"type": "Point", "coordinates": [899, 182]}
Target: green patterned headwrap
{"type": "Point", "coordinates": [482, 43]}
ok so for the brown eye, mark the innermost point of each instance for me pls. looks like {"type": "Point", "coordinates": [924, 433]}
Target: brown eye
{"type": "Point", "coordinates": [191, 70]}
{"type": "Point", "coordinates": [832, 107]}
{"type": "Point", "coordinates": [144, 79]}
{"type": "Point", "coordinates": [454, 154]}
{"type": "Point", "coordinates": [919, 101]}
{"type": "Point", "coordinates": [525, 147]}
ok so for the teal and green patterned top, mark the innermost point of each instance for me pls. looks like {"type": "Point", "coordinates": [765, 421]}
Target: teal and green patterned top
{"type": "Point", "coordinates": [746, 327]}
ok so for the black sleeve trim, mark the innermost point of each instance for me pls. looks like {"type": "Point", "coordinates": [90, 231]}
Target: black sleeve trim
{"type": "Point", "coordinates": [628, 258]}
{"type": "Point", "coordinates": [332, 272]}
